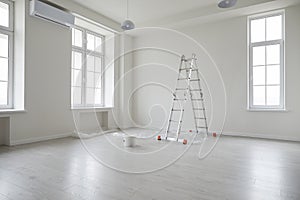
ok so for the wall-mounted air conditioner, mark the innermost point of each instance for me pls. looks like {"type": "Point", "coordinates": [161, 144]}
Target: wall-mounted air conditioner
{"type": "Point", "coordinates": [51, 12]}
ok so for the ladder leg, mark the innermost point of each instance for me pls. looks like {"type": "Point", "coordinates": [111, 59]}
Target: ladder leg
{"type": "Point", "coordinates": [191, 94]}
{"type": "Point", "coordinates": [174, 96]}
{"type": "Point", "coordinates": [202, 102]}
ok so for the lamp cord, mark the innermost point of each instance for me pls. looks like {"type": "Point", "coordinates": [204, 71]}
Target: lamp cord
{"type": "Point", "coordinates": [127, 10]}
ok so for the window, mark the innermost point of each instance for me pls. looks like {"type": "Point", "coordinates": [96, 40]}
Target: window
{"type": "Point", "coordinates": [6, 54]}
{"type": "Point", "coordinates": [87, 68]}
{"type": "Point", "coordinates": [266, 61]}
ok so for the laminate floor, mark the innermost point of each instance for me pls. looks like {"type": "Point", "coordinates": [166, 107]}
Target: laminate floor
{"type": "Point", "coordinates": [101, 168]}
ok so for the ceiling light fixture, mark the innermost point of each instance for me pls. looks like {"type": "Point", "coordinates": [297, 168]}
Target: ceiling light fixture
{"type": "Point", "coordinates": [227, 3]}
{"type": "Point", "coordinates": [127, 24]}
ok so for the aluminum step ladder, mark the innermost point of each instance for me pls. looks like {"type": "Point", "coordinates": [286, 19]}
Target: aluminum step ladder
{"type": "Point", "coordinates": [188, 85]}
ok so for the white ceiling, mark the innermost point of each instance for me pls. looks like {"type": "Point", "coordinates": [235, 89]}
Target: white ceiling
{"type": "Point", "coordinates": [143, 10]}
{"type": "Point", "coordinates": [160, 12]}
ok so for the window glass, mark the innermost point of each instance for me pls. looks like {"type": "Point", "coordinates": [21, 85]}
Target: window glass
{"type": "Point", "coordinates": [273, 95]}
{"type": "Point", "coordinates": [259, 95]}
{"type": "Point", "coordinates": [259, 57]}
{"type": "Point", "coordinates": [259, 75]}
{"type": "Point", "coordinates": [77, 78]}
{"type": "Point", "coordinates": [98, 96]}
{"type": "Point", "coordinates": [3, 69]}
{"type": "Point", "coordinates": [98, 64]}
{"type": "Point", "coordinates": [76, 95]}
{"type": "Point", "coordinates": [90, 63]}
{"type": "Point", "coordinates": [77, 37]}
{"type": "Point", "coordinates": [273, 54]}
{"type": "Point", "coordinates": [4, 14]}
{"type": "Point", "coordinates": [77, 60]}
{"type": "Point", "coordinates": [258, 30]}
{"type": "Point", "coordinates": [90, 42]}
{"type": "Point", "coordinates": [90, 96]}
{"type": "Point", "coordinates": [98, 44]}
{"type": "Point", "coordinates": [273, 74]}
{"type": "Point", "coordinates": [3, 93]}
{"type": "Point", "coordinates": [274, 27]}
{"type": "Point", "coordinates": [98, 80]}
{"type": "Point", "coordinates": [90, 80]}
{"type": "Point", "coordinates": [3, 45]}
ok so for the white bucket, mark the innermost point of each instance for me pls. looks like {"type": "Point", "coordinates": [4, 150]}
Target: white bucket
{"type": "Point", "coordinates": [129, 141]}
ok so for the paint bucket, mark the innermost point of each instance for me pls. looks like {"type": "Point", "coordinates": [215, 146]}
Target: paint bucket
{"type": "Point", "coordinates": [129, 141]}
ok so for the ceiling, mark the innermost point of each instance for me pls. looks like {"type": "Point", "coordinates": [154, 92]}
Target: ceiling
{"type": "Point", "coordinates": [159, 12]}
{"type": "Point", "coordinates": [143, 10]}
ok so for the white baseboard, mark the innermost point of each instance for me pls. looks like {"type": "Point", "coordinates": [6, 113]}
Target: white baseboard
{"type": "Point", "coordinates": [236, 134]}
{"type": "Point", "coordinates": [83, 135]}
{"type": "Point", "coordinates": [39, 139]}
{"type": "Point", "coordinates": [262, 136]}
{"type": "Point", "coordinates": [243, 134]}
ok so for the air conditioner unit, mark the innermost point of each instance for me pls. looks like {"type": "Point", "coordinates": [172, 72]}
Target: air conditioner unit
{"type": "Point", "coordinates": [51, 12]}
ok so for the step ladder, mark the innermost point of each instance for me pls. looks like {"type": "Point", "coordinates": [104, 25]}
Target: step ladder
{"type": "Point", "coordinates": [188, 86]}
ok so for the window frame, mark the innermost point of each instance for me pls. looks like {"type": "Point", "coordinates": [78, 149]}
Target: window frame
{"type": "Point", "coordinates": [250, 47]}
{"type": "Point", "coordinates": [9, 31]}
{"type": "Point", "coordinates": [85, 52]}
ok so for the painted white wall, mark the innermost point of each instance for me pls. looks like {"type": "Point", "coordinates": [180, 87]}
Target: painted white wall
{"type": "Point", "coordinates": [226, 42]}
{"type": "Point", "coordinates": [156, 62]}
{"type": "Point", "coordinates": [124, 82]}
{"type": "Point", "coordinates": [48, 79]}
{"type": "Point", "coordinates": [4, 131]}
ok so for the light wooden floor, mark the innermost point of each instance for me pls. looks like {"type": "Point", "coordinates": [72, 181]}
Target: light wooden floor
{"type": "Point", "coordinates": [238, 168]}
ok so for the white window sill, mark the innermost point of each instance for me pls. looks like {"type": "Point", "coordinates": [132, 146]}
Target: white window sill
{"type": "Point", "coordinates": [9, 111]}
{"type": "Point", "coordinates": [266, 110]}
{"type": "Point", "coordinates": [91, 109]}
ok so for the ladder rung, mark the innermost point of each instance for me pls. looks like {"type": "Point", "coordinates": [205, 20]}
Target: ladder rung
{"type": "Point", "coordinates": [181, 88]}
{"type": "Point", "coordinates": [200, 118]}
{"type": "Point", "coordinates": [202, 127]}
{"type": "Point", "coordinates": [199, 109]}
{"type": "Point", "coordinates": [197, 99]}
{"type": "Point", "coordinates": [183, 79]}
{"type": "Point", "coordinates": [172, 131]}
{"type": "Point", "coordinates": [185, 68]}
{"type": "Point", "coordinates": [175, 121]}
{"type": "Point", "coordinates": [195, 80]}
{"type": "Point", "coordinates": [195, 90]}
{"type": "Point", "coordinates": [177, 109]}
{"type": "Point", "coordinates": [180, 99]}
{"type": "Point", "coordinates": [182, 69]}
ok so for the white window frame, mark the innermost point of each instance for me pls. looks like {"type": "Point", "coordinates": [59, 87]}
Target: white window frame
{"type": "Point", "coordinates": [281, 42]}
{"type": "Point", "coordinates": [85, 52]}
{"type": "Point", "coordinates": [9, 31]}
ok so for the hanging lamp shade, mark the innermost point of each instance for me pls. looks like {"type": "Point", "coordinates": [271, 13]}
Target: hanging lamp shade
{"type": "Point", "coordinates": [127, 25]}
{"type": "Point", "coordinates": [227, 3]}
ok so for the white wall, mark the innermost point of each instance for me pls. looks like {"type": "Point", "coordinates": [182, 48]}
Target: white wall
{"type": "Point", "coordinates": [48, 78]}
{"type": "Point", "coordinates": [226, 42]}
{"type": "Point", "coordinates": [4, 131]}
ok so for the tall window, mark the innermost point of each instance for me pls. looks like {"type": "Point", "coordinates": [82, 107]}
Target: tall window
{"type": "Point", "coordinates": [87, 68]}
{"type": "Point", "coordinates": [6, 54]}
{"type": "Point", "coordinates": [266, 61]}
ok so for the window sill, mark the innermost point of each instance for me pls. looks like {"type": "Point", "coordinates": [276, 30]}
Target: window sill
{"type": "Point", "coordinates": [266, 110]}
{"type": "Point", "coordinates": [10, 111]}
{"type": "Point", "coordinates": [91, 109]}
